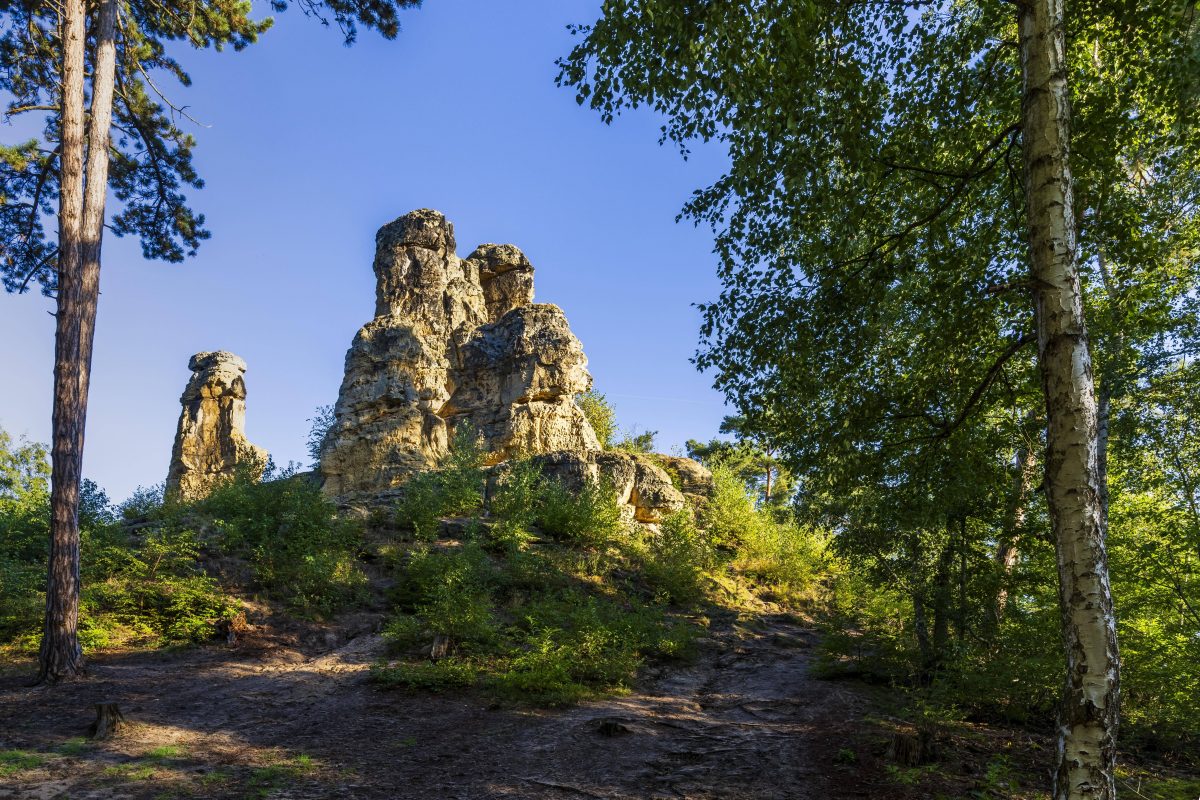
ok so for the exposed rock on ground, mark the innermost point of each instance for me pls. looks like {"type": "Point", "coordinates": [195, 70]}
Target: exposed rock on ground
{"type": "Point", "coordinates": [453, 340]}
{"type": "Point", "coordinates": [211, 438]}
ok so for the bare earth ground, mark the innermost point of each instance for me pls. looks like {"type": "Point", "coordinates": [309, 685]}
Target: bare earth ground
{"type": "Point", "coordinates": [272, 718]}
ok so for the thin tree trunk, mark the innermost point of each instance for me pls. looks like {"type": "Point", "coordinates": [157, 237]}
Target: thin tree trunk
{"type": "Point", "coordinates": [60, 656]}
{"type": "Point", "coordinates": [1104, 412]}
{"type": "Point", "coordinates": [921, 629]}
{"type": "Point", "coordinates": [960, 617]}
{"type": "Point", "coordinates": [1009, 549]}
{"type": "Point", "coordinates": [920, 616]}
{"type": "Point", "coordinates": [942, 592]}
{"type": "Point", "coordinates": [81, 228]}
{"type": "Point", "coordinates": [1088, 717]}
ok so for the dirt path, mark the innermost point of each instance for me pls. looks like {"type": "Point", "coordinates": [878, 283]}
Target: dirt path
{"type": "Point", "coordinates": [746, 720]}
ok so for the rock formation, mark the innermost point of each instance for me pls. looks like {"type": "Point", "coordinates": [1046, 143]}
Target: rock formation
{"type": "Point", "coordinates": [211, 439]}
{"type": "Point", "coordinates": [690, 476]}
{"type": "Point", "coordinates": [453, 341]}
{"type": "Point", "coordinates": [644, 489]}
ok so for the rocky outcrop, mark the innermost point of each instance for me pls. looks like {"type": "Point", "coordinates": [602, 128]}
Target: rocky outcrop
{"type": "Point", "coordinates": [691, 477]}
{"type": "Point", "coordinates": [211, 441]}
{"type": "Point", "coordinates": [454, 341]}
{"type": "Point", "coordinates": [643, 488]}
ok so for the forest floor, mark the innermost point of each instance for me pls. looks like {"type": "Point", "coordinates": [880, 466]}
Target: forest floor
{"type": "Point", "coordinates": [274, 716]}
{"type": "Point", "coordinates": [289, 712]}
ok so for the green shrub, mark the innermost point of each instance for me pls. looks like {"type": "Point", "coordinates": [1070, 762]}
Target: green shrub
{"type": "Point", "coordinates": [455, 488]}
{"type": "Point", "coordinates": [24, 535]}
{"type": "Point", "coordinates": [430, 676]}
{"type": "Point", "coordinates": [420, 508]}
{"type": "Point", "coordinates": [300, 550]}
{"type": "Point", "coordinates": [589, 516]}
{"type": "Point", "coordinates": [788, 559]}
{"type": "Point", "coordinates": [513, 504]}
{"type": "Point", "coordinates": [149, 592]}
{"type": "Point", "coordinates": [405, 632]}
{"type": "Point", "coordinates": [145, 589]}
{"type": "Point", "coordinates": [451, 593]}
{"type": "Point", "coordinates": [600, 415]}
{"type": "Point", "coordinates": [676, 558]}
{"type": "Point", "coordinates": [633, 442]}
{"type": "Point", "coordinates": [729, 513]}
{"type": "Point", "coordinates": [532, 627]}
{"type": "Point", "coordinates": [569, 645]}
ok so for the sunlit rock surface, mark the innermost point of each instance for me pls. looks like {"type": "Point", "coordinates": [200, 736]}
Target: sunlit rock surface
{"type": "Point", "coordinates": [211, 441]}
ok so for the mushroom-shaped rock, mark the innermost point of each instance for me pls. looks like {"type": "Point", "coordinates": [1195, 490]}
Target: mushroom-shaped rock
{"type": "Point", "coordinates": [210, 442]}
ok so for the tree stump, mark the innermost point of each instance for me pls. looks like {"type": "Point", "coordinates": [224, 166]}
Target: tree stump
{"type": "Point", "coordinates": [440, 647]}
{"type": "Point", "coordinates": [908, 750]}
{"type": "Point", "coordinates": [109, 720]}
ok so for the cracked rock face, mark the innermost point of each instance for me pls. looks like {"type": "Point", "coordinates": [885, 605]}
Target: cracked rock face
{"type": "Point", "coordinates": [211, 441]}
{"type": "Point", "coordinates": [453, 341]}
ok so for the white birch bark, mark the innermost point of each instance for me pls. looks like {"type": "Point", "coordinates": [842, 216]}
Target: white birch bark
{"type": "Point", "coordinates": [1088, 717]}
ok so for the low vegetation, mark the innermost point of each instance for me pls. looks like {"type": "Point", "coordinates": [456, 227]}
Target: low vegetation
{"type": "Point", "coordinates": [152, 570]}
{"type": "Point", "coordinates": [515, 587]}
{"type": "Point", "coordinates": [553, 595]}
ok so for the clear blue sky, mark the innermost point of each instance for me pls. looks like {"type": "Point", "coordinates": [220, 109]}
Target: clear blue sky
{"type": "Point", "coordinates": [311, 147]}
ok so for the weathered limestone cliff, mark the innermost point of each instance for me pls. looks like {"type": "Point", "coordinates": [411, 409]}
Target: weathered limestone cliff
{"type": "Point", "coordinates": [453, 341]}
{"type": "Point", "coordinates": [211, 439]}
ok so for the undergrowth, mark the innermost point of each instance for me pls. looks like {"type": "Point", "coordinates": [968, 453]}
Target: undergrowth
{"type": "Point", "coordinates": [147, 565]}
{"type": "Point", "coordinates": [554, 595]}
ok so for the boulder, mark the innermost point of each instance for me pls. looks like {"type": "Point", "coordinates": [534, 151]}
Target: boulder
{"type": "Point", "coordinates": [643, 488]}
{"type": "Point", "coordinates": [690, 476]}
{"type": "Point", "coordinates": [210, 441]}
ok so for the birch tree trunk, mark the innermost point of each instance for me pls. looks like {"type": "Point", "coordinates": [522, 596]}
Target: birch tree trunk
{"type": "Point", "coordinates": [81, 225]}
{"type": "Point", "coordinates": [1088, 717]}
{"type": "Point", "coordinates": [60, 655]}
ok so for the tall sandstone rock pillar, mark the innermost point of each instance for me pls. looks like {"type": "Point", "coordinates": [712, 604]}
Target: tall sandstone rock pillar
{"type": "Point", "coordinates": [211, 439]}
{"type": "Point", "coordinates": [453, 341]}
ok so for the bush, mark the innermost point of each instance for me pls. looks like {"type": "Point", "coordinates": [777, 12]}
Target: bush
{"type": "Point", "coordinates": [145, 589]}
{"type": "Point", "coordinates": [788, 559]}
{"type": "Point", "coordinates": [529, 626]}
{"type": "Point", "coordinates": [569, 645]}
{"type": "Point", "coordinates": [322, 420]}
{"type": "Point", "coordinates": [513, 504]}
{"type": "Point", "coordinates": [729, 513]}
{"type": "Point", "coordinates": [590, 516]}
{"type": "Point", "coordinates": [454, 489]}
{"type": "Point", "coordinates": [152, 592]}
{"type": "Point", "coordinates": [600, 415]}
{"type": "Point", "coordinates": [676, 558]}
{"type": "Point", "coordinates": [633, 442]}
{"type": "Point", "coordinates": [289, 532]}
{"type": "Point", "coordinates": [450, 591]}
{"type": "Point", "coordinates": [430, 676]}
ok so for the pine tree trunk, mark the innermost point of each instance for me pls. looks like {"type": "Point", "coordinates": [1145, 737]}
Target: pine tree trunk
{"type": "Point", "coordinates": [81, 226]}
{"type": "Point", "coordinates": [60, 656]}
{"type": "Point", "coordinates": [1088, 717]}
